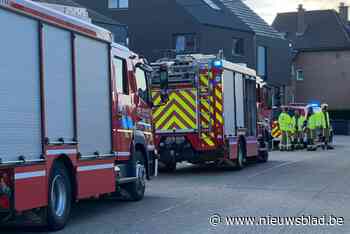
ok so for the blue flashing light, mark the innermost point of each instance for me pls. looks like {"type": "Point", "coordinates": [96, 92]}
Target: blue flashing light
{"type": "Point", "coordinates": [315, 104]}
{"type": "Point", "coordinates": [218, 63]}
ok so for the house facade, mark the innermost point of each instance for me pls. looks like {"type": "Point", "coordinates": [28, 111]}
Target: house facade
{"type": "Point", "coordinates": [321, 44]}
{"type": "Point", "coordinates": [158, 28]}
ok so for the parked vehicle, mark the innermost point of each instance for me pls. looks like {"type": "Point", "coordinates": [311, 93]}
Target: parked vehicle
{"type": "Point", "coordinates": [209, 113]}
{"type": "Point", "coordinates": [75, 115]}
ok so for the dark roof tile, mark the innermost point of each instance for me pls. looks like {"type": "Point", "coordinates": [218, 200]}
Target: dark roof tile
{"type": "Point", "coordinates": [204, 14]}
{"type": "Point", "coordinates": [248, 16]}
{"type": "Point", "coordinates": [233, 14]}
{"type": "Point", "coordinates": [325, 30]}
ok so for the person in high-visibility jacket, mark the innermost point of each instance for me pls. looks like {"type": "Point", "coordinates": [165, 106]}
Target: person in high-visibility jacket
{"type": "Point", "coordinates": [285, 125]}
{"type": "Point", "coordinates": [311, 127]}
{"type": "Point", "coordinates": [298, 132]}
{"type": "Point", "coordinates": [326, 126]}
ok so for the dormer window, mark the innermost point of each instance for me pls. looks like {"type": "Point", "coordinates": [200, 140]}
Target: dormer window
{"type": "Point", "coordinates": [118, 4]}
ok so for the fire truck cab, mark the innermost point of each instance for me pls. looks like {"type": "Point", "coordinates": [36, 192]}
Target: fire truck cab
{"type": "Point", "coordinates": [75, 114]}
{"type": "Point", "coordinates": [208, 114]}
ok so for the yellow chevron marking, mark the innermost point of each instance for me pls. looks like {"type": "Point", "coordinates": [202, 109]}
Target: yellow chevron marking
{"type": "Point", "coordinates": [204, 80]}
{"type": "Point", "coordinates": [206, 116]}
{"type": "Point", "coordinates": [218, 94]}
{"type": "Point", "coordinates": [219, 118]}
{"type": "Point", "coordinates": [219, 106]}
{"type": "Point", "coordinates": [174, 119]}
{"type": "Point", "coordinates": [171, 110]}
{"type": "Point", "coordinates": [276, 132]}
{"type": "Point", "coordinates": [207, 140]}
{"type": "Point", "coordinates": [158, 111]}
{"type": "Point", "coordinates": [173, 96]}
{"type": "Point", "coordinates": [188, 97]}
{"type": "Point", "coordinates": [205, 104]}
{"type": "Point", "coordinates": [184, 104]}
{"type": "Point", "coordinates": [157, 101]}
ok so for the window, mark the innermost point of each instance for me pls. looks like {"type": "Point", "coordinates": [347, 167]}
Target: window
{"type": "Point", "coordinates": [118, 4]}
{"type": "Point", "coordinates": [300, 75]}
{"type": "Point", "coordinates": [141, 83]}
{"type": "Point", "coordinates": [121, 81]}
{"type": "Point", "coordinates": [237, 46]}
{"type": "Point", "coordinates": [185, 43]}
{"type": "Point", "coordinates": [261, 63]}
{"type": "Point", "coordinates": [211, 4]}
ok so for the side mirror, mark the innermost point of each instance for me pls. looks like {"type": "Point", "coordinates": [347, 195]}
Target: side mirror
{"type": "Point", "coordinates": [164, 83]}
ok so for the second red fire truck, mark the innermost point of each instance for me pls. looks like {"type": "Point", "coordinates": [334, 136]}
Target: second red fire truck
{"type": "Point", "coordinates": [209, 114]}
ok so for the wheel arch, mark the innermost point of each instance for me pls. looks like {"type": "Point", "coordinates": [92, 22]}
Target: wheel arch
{"type": "Point", "coordinates": [67, 163]}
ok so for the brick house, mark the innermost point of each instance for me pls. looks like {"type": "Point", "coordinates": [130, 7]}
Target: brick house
{"type": "Point", "coordinates": [321, 61]}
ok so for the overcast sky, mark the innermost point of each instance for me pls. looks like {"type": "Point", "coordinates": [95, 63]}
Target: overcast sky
{"type": "Point", "coordinates": [269, 8]}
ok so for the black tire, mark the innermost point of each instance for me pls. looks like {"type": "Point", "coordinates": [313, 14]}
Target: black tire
{"type": "Point", "coordinates": [137, 189]}
{"type": "Point", "coordinates": [170, 167]}
{"type": "Point", "coordinates": [263, 156]}
{"type": "Point", "coordinates": [59, 198]}
{"type": "Point", "coordinates": [241, 157]}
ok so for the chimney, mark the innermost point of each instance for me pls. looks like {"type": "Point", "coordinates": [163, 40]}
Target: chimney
{"type": "Point", "coordinates": [301, 24]}
{"type": "Point", "coordinates": [344, 12]}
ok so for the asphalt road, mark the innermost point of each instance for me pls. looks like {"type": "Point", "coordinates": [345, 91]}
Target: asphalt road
{"type": "Point", "coordinates": [290, 184]}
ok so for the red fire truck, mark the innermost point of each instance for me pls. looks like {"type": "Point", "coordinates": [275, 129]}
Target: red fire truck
{"type": "Point", "coordinates": [75, 116]}
{"type": "Point", "coordinates": [210, 113]}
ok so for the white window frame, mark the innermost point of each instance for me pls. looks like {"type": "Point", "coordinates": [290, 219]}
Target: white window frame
{"type": "Point", "coordinates": [181, 42]}
{"type": "Point", "coordinates": [115, 4]}
{"type": "Point", "coordinates": [262, 68]}
{"type": "Point", "coordinates": [298, 77]}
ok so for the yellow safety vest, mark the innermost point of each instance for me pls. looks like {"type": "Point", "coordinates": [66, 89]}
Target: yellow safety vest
{"type": "Point", "coordinates": [298, 124]}
{"type": "Point", "coordinates": [318, 119]}
{"type": "Point", "coordinates": [312, 122]}
{"type": "Point", "coordinates": [285, 122]}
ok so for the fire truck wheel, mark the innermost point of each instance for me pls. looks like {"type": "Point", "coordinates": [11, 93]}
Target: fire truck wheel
{"type": "Point", "coordinates": [137, 189]}
{"type": "Point", "coordinates": [263, 156]}
{"type": "Point", "coordinates": [60, 197]}
{"type": "Point", "coordinates": [171, 167]}
{"type": "Point", "coordinates": [241, 157]}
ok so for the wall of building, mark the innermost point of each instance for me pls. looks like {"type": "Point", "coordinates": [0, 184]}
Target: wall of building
{"type": "Point", "coordinates": [278, 60]}
{"type": "Point", "coordinates": [326, 78]}
{"type": "Point", "coordinates": [214, 39]}
{"type": "Point", "coordinates": [151, 24]}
